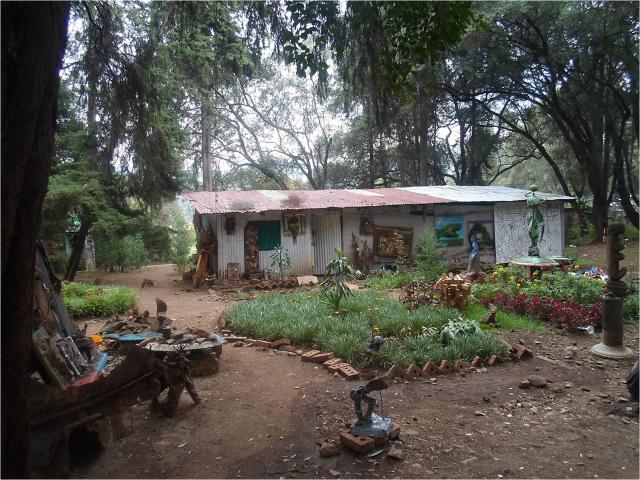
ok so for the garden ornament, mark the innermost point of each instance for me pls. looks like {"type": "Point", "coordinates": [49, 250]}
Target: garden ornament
{"type": "Point", "coordinates": [536, 221]}
{"type": "Point", "coordinates": [615, 290]}
{"type": "Point", "coordinates": [370, 424]}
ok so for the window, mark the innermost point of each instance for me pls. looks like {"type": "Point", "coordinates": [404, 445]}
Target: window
{"type": "Point", "coordinates": [268, 234]}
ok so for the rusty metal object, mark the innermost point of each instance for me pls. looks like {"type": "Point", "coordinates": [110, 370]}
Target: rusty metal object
{"type": "Point", "coordinates": [611, 345]}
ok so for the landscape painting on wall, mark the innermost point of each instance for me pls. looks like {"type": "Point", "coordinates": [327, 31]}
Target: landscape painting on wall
{"type": "Point", "coordinates": [449, 231]}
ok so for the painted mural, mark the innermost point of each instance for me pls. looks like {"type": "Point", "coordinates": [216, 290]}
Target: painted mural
{"type": "Point", "coordinates": [449, 231]}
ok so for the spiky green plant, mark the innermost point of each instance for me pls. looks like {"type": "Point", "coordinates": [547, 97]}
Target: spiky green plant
{"type": "Point", "coordinates": [334, 287]}
{"type": "Point", "coordinates": [281, 261]}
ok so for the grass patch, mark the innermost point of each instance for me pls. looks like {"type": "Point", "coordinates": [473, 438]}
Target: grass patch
{"type": "Point", "coordinates": [412, 336]}
{"type": "Point", "coordinates": [508, 320]}
{"type": "Point", "coordinates": [83, 299]}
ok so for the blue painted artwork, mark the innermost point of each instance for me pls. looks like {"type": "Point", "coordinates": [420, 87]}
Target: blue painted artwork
{"type": "Point", "coordinates": [449, 231]}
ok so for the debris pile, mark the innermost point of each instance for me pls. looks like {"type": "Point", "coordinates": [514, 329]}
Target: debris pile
{"type": "Point", "coordinates": [453, 291]}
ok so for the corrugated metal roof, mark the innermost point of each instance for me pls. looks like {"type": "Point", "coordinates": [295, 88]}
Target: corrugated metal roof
{"type": "Point", "coordinates": [477, 194]}
{"type": "Point", "coordinates": [277, 200]}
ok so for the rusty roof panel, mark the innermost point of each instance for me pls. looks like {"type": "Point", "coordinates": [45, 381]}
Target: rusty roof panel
{"type": "Point", "coordinates": [277, 200]}
{"type": "Point", "coordinates": [256, 201]}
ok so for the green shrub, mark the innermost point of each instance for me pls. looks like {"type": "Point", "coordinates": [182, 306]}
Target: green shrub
{"type": "Point", "coordinates": [631, 312]}
{"type": "Point", "coordinates": [82, 299]}
{"type": "Point", "coordinates": [183, 239]}
{"type": "Point", "coordinates": [412, 336]}
{"type": "Point", "coordinates": [428, 261]}
{"type": "Point", "coordinates": [126, 252]}
{"type": "Point", "coordinates": [631, 232]}
{"type": "Point", "coordinates": [59, 261]}
{"type": "Point", "coordinates": [386, 280]}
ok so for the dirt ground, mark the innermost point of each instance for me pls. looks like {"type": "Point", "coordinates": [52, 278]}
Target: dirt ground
{"type": "Point", "coordinates": [263, 414]}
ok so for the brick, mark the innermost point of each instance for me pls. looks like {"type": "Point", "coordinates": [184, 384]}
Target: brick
{"type": "Point", "coordinates": [233, 339]}
{"type": "Point", "coordinates": [321, 357]}
{"type": "Point", "coordinates": [260, 343]}
{"type": "Point", "coordinates": [460, 366]}
{"type": "Point", "coordinates": [333, 361]}
{"type": "Point", "coordinates": [337, 366]}
{"type": "Point", "coordinates": [396, 371]}
{"type": "Point", "coordinates": [349, 372]}
{"type": "Point", "coordinates": [359, 444]}
{"type": "Point", "coordinates": [413, 371]}
{"type": "Point", "coordinates": [429, 369]}
{"type": "Point", "coordinates": [250, 340]}
{"type": "Point", "coordinates": [279, 342]}
{"type": "Point", "coordinates": [493, 360]}
{"type": "Point", "coordinates": [368, 375]}
{"type": "Point", "coordinates": [395, 431]}
{"type": "Point", "coordinates": [306, 357]}
{"type": "Point", "coordinates": [287, 348]}
{"type": "Point", "coordinates": [521, 351]}
{"type": "Point", "coordinates": [477, 362]}
{"type": "Point", "coordinates": [379, 441]}
{"type": "Point", "coordinates": [444, 367]}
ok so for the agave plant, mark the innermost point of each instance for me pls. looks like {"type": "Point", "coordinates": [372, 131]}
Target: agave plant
{"type": "Point", "coordinates": [337, 272]}
{"type": "Point", "coordinates": [280, 261]}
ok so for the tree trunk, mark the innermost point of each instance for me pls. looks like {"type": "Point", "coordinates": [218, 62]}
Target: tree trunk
{"type": "Point", "coordinates": [33, 42]}
{"type": "Point", "coordinates": [205, 111]}
{"type": "Point", "coordinates": [76, 251]}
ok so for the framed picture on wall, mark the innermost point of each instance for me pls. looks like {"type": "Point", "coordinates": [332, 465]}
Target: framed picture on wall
{"type": "Point", "coordinates": [482, 232]}
{"type": "Point", "coordinates": [449, 231]}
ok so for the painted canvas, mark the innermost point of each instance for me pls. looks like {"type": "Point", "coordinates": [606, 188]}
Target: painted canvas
{"type": "Point", "coordinates": [450, 231]}
{"type": "Point", "coordinates": [482, 232]}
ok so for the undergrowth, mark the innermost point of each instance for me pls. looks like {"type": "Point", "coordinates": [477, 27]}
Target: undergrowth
{"type": "Point", "coordinates": [83, 299]}
{"type": "Point", "coordinates": [412, 336]}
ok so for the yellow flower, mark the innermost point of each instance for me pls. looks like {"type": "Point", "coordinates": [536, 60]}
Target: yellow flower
{"type": "Point", "coordinates": [518, 285]}
{"type": "Point", "coordinates": [495, 274]}
{"type": "Point", "coordinates": [337, 312]}
{"type": "Point", "coordinates": [511, 279]}
{"type": "Point", "coordinates": [576, 266]}
{"type": "Point", "coordinates": [376, 309]}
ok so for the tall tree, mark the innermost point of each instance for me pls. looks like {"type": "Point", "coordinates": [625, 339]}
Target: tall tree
{"type": "Point", "coordinates": [33, 42]}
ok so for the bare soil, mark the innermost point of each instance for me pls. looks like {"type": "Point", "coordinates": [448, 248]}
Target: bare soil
{"type": "Point", "coordinates": [263, 414]}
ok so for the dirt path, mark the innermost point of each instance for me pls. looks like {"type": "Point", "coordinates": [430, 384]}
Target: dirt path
{"type": "Point", "coordinates": [262, 415]}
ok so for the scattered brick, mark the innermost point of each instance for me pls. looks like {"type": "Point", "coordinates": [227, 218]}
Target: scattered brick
{"type": "Point", "coordinates": [493, 360]}
{"type": "Point", "coordinates": [368, 375]}
{"type": "Point", "coordinates": [337, 366]}
{"type": "Point", "coordinates": [260, 343]}
{"type": "Point", "coordinates": [521, 351]}
{"type": "Point", "coordinates": [321, 357]}
{"type": "Point", "coordinates": [287, 348]}
{"type": "Point", "coordinates": [429, 369]}
{"type": "Point", "coordinates": [306, 357]}
{"type": "Point", "coordinates": [477, 362]}
{"type": "Point", "coordinates": [395, 431]}
{"type": "Point", "coordinates": [444, 367]}
{"type": "Point", "coordinates": [279, 342]}
{"type": "Point", "coordinates": [329, 449]}
{"type": "Point", "coordinates": [333, 361]}
{"type": "Point", "coordinates": [359, 444]}
{"type": "Point", "coordinates": [525, 383]}
{"type": "Point", "coordinates": [460, 366]}
{"type": "Point", "coordinates": [299, 352]}
{"type": "Point", "coordinates": [413, 371]}
{"type": "Point", "coordinates": [349, 372]}
{"type": "Point", "coordinates": [396, 371]}
{"type": "Point", "coordinates": [232, 339]}
{"type": "Point", "coordinates": [378, 441]}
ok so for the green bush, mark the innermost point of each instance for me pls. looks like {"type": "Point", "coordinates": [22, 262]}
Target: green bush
{"type": "Point", "coordinates": [428, 261]}
{"type": "Point", "coordinates": [631, 303]}
{"type": "Point", "coordinates": [386, 280]}
{"type": "Point", "coordinates": [126, 252]}
{"type": "Point", "coordinates": [305, 319]}
{"type": "Point", "coordinates": [83, 299]}
{"type": "Point", "coordinates": [59, 261]}
{"type": "Point", "coordinates": [631, 232]}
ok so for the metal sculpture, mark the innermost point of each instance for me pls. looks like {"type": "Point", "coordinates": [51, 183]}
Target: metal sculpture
{"type": "Point", "coordinates": [370, 424]}
{"type": "Point", "coordinates": [613, 299]}
{"type": "Point", "coordinates": [536, 221]}
{"type": "Point", "coordinates": [416, 294]}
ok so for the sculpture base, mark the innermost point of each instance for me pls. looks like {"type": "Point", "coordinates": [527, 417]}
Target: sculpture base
{"type": "Point", "coordinates": [377, 426]}
{"type": "Point", "coordinates": [615, 353]}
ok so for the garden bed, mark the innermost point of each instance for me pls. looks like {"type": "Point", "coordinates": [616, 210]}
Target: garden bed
{"type": "Point", "coordinates": [412, 336]}
{"type": "Point", "coordinates": [83, 299]}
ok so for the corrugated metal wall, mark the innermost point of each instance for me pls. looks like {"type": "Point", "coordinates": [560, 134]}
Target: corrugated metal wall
{"type": "Point", "coordinates": [231, 247]}
{"type": "Point", "coordinates": [326, 238]}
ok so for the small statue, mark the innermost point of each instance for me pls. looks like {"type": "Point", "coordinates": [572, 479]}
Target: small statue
{"type": "Point", "coordinates": [536, 221]}
{"type": "Point", "coordinates": [369, 424]}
